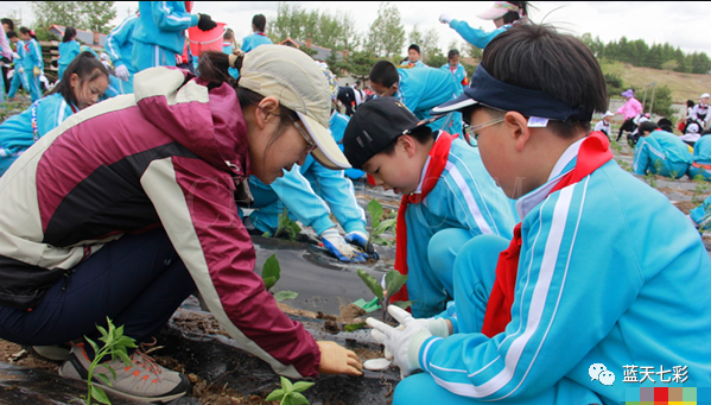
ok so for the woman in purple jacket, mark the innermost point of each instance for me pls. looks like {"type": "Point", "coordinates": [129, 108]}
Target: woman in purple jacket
{"type": "Point", "coordinates": [130, 205]}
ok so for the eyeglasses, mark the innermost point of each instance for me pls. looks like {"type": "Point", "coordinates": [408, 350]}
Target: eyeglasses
{"type": "Point", "coordinates": [310, 142]}
{"type": "Point", "coordinates": [311, 145]}
{"type": "Point", "coordinates": [471, 131]}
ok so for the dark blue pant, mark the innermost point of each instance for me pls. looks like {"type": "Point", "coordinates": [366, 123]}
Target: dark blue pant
{"type": "Point", "coordinates": [138, 281]}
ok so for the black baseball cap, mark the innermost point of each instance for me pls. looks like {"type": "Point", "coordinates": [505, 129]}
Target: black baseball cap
{"type": "Point", "coordinates": [375, 125]}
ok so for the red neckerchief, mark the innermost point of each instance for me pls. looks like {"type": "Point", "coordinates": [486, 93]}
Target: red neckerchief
{"type": "Point", "coordinates": [438, 158]}
{"type": "Point", "coordinates": [189, 6]}
{"type": "Point", "coordinates": [261, 33]}
{"type": "Point", "coordinates": [593, 153]}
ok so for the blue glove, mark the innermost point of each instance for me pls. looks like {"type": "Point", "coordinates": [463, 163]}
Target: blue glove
{"type": "Point", "coordinates": [360, 239]}
{"type": "Point", "coordinates": [335, 243]}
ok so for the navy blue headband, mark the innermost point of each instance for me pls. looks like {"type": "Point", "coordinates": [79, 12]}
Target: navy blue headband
{"type": "Point", "coordinates": [486, 89]}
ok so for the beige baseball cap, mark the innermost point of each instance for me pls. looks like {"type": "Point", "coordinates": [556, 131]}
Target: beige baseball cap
{"type": "Point", "coordinates": [300, 85]}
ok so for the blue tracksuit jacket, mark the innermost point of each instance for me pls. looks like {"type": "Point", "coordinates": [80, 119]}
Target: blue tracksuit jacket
{"type": "Point", "coordinates": [425, 88]}
{"type": "Point", "coordinates": [460, 73]}
{"type": "Point", "coordinates": [16, 134]}
{"type": "Point", "coordinates": [252, 41]}
{"type": "Point", "coordinates": [67, 52]}
{"type": "Point", "coordinates": [596, 284]}
{"type": "Point", "coordinates": [119, 45]}
{"type": "Point", "coordinates": [161, 24]}
{"type": "Point", "coordinates": [475, 36]}
{"type": "Point", "coordinates": [664, 150]}
{"type": "Point", "coordinates": [466, 197]}
{"type": "Point", "coordinates": [701, 155]}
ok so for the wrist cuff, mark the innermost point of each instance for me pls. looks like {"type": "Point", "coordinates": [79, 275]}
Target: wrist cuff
{"type": "Point", "coordinates": [414, 347]}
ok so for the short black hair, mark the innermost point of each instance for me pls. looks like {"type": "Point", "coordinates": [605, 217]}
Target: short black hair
{"type": "Point", "coordinates": [560, 65]}
{"type": "Point", "coordinates": [647, 126]}
{"type": "Point", "coordinates": [12, 34]}
{"type": "Point", "coordinates": [690, 103]}
{"type": "Point", "coordinates": [26, 31]}
{"type": "Point", "coordinates": [665, 124]}
{"type": "Point", "coordinates": [69, 34]}
{"type": "Point", "coordinates": [384, 73]}
{"type": "Point", "coordinates": [260, 21]}
{"type": "Point", "coordinates": [9, 23]}
{"type": "Point", "coordinates": [421, 134]}
{"type": "Point", "coordinates": [414, 46]}
{"type": "Point", "coordinates": [452, 53]}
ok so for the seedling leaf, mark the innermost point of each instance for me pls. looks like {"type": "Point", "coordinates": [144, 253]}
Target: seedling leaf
{"type": "Point", "coordinates": [276, 394]}
{"type": "Point", "coordinates": [286, 384]}
{"type": "Point", "coordinates": [301, 386]}
{"type": "Point", "coordinates": [295, 398]}
{"type": "Point", "coordinates": [403, 305]}
{"type": "Point", "coordinates": [99, 394]}
{"type": "Point", "coordinates": [271, 268]}
{"type": "Point", "coordinates": [376, 211]}
{"type": "Point", "coordinates": [270, 281]}
{"type": "Point", "coordinates": [285, 295]}
{"type": "Point", "coordinates": [350, 328]}
{"type": "Point", "coordinates": [372, 283]}
{"type": "Point", "coordinates": [394, 282]}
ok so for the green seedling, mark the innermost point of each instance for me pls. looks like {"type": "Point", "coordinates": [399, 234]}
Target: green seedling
{"type": "Point", "coordinates": [115, 345]}
{"type": "Point", "coordinates": [270, 275]}
{"type": "Point", "coordinates": [378, 227]}
{"type": "Point", "coordinates": [702, 189]}
{"type": "Point", "coordinates": [290, 394]}
{"type": "Point", "coordinates": [394, 282]}
{"type": "Point", "coordinates": [286, 225]}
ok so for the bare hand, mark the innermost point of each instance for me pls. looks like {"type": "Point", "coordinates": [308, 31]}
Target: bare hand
{"type": "Point", "coordinates": [336, 359]}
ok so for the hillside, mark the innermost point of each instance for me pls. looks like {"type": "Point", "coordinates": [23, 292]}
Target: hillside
{"type": "Point", "coordinates": [684, 86]}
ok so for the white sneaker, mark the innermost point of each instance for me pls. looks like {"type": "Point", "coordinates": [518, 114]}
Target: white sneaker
{"type": "Point", "coordinates": [144, 381]}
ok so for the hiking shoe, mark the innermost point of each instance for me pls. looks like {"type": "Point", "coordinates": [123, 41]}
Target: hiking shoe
{"type": "Point", "coordinates": [143, 381]}
{"type": "Point", "coordinates": [53, 353]}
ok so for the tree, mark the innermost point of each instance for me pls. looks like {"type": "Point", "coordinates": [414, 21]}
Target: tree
{"type": "Point", "coordinates": [386, 34]}
{"type": "Point", "coordinates": [429, 47]}
{"type": "Point", "coordinates": [662, 104]}
{"type": "Point", "coordinates": [359, 64]}
{"type": "Point", "coordinates": [334, 32]}
{"type": "Point", "coordinates": [82, 15]}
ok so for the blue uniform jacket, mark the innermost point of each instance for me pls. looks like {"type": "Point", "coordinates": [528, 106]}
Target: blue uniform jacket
{"type": "Point", "coordinates": [663, 149]}
{"type": "Point", "coordinates": [476, 36]}
{"type": "Point", "coordinates": [67, 52]}
{"type": "Point", "coordinates": [162, 23]}
{"type": "Point", "coordinates": [119, 42]}
{"type": "Point", "coordinates": [425, 88]}
{"type": "Point", "coordinates": [460, 73]}
{"type": "Point", "coordinates": [596, 283]}
{"type": "Point", "coordinates": [701, 153]}
{"type": "Point", "coordinates": [411, 65]}
{"type": "Point", "coordinates": [33, 56]}
{"type": "Point", "coordinates": [16, 134]}
{"type": "Point", "coordinates": [465, 197]}
{"type": "Point", "coordinates": [252, 41]}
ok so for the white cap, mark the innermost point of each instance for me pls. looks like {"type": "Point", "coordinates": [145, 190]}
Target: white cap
{"type": "Point", "coordinates": [608, 114]}
{"type": "Point", "coordinates": [499, 9]}
{"type": "Point", "coordinates": [707, 95]}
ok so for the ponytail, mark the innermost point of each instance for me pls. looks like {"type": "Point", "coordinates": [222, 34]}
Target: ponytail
{"type": "Point", "coordinates": [213, 67]}
{"type": "Point", "coordinates": [69, 34]}
{"type": "Point", "coordinates": [87, 67]}
{"type": "Point", "coordinates": [26, 30]}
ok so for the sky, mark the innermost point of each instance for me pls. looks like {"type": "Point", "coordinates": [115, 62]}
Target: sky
{"type": "Point", "coordinates": [680, 23]}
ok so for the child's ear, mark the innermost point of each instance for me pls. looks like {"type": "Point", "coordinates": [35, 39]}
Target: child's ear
{"type": "Point", "coordinates": [408, 144]}
{"type": "Point", "coordinates": [516, 124]}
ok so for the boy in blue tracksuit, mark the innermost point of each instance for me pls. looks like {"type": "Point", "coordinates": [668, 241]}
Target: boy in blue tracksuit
{"type": "Point", "coordinates": [454, 67]}
{"type": "Point", "coordinates": [448, 197]}
{"type": "Point", "coordinates": [660, 152]}
{"type": "Point", "coordinates": [32, 63]}
{"type": "Point", "coordinates": [159, 33]}
{"type": "Point", "coordinates": [700, 215]}
{"type": "Point", "coordinates": [258, 36]}
{"type": "Point", "coordinates": [310, 192]}
{"type": "Point", "coordinates": [701, 159]}
{"type": "Point", "coordinates": [119, 45]}
{"type": "Point", "coordinates": [585, 303]}
{"type": "Point", "coordinates": [420, 90]}
{"type": "Point", "coordinates": [18, 78]}
{"type": "Point", "coordinates": [88, 79]}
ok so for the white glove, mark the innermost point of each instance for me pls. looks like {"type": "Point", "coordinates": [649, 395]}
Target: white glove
{"type": "Point", "coordinates": [10, 74]}
{"type": "Point", "coordinates": [21, 69]}
{"type": "Point", "coordinates": [335, 243]}
{"type": "Point", "coordinates": [445, 18]}
{"type": "Point", "coordinates": [404, 344]}
{"type": "Point", "coordinates": [122, 72]}
{"type": "Point", "coordinates": [15, 55]}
